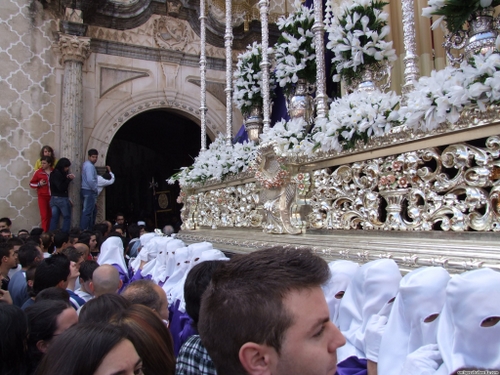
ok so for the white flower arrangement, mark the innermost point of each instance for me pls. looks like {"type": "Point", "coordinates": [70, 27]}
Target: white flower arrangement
{"type": "Point", "coordinates": [290, 136]}
{"type": "Point", "coordinates": [354, 117]}
{"type": "Point", "coordinates": [219, 161]}
{"type": "Point", "coordinates": [294, 51]}
{"type": "Point", "coordinates": [446, 93]}
{"type": "Point", "coordinates": [356, 38]}
{"type": "Point", "coordinates": [248, 79]}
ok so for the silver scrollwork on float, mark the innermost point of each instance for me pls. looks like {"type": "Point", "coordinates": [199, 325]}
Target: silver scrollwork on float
{"type": "Point", "coordinates": [420, 197]}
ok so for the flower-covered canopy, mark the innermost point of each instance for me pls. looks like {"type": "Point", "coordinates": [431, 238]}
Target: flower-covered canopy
{"type": "Point", "coordinates": [248, 79]}
{"type": "Point", "coordinates": [356, 38]}
{"type": "Point", "coordinates": [294, 52]}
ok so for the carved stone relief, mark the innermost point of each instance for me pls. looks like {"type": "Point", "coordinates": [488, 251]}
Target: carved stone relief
{"type": "Point", "coordinates": [214, 88]}
{"type": "Point", "coordinates": [159, 32]}
{"type": "Point", "coordinates": [113, 77]}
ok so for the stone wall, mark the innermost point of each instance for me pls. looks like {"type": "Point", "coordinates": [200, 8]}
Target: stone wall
{"type": "Point", "coordinates": [27, 104]}
{"type": "Point", "coordinates": [153, 66]}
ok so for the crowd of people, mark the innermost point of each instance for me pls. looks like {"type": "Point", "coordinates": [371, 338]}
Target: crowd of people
{"type": "Point", "coordinates": [52, 179]}
{"type": "Point", "coordinates": [78, 303]}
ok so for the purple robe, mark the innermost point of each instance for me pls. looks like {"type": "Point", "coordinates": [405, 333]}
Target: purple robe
{"type": "Point", "coordinates": [124, 276]}
{"type": "Point", "coordinates": [180, 326]}
{"type": "Point", "coordinates": [352, 366]}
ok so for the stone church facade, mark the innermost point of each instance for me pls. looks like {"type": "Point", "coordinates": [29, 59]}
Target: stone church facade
{"type": "Point", "coordinates": [72, 84]}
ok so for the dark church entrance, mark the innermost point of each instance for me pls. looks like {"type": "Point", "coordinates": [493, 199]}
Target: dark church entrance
{"type": "Point", "coordinates": [144, 153]}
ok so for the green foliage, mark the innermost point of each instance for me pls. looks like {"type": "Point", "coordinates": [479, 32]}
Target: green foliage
{"type": "Point", "coordinates": [458, 12]}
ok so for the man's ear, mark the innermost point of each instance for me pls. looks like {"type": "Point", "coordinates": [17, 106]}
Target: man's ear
{"type": "Point", "coordinates": [42, 346]}
{"type": "Point", "coordinates": [61, 283]}
{"type": "Point", "coordinates": [121, 284]}
{"type": "Point", "coordinates": [257, 359]}
{"type": "Point", "coordinates": [91, 287]}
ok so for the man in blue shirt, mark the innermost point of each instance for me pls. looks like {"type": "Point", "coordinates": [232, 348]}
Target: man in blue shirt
{"type": "Point", "coordinates": [89, 190]}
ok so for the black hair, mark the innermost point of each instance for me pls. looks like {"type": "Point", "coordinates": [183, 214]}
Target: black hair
{"type": "Point", "coordinates": [196, 283]}
{"type": "Point", "coordinates": [92, 151]}
{"type": "Point", "coordinates": [6, 220]}
{"type": "Point", "coordinates": [53, 294]}
{"type": "Point", "coordinates": [84, 237]}
{"type": "Point", "coordinates": [42, 319]}
{"type": "Point", "coordinates": [87, 269]}
{"type": "Point", "coordinates": [60, 238]}
{"type": "Point", "coordinates": [74, 232]}
{"type": "Point", "coordinates": [103, 308]}
{"type": "Point", "coordinates": [36, 231]}
{"type": "Point", "coordinates": [61, 164]}
{"type": "Point", "coordinates": [13, 338]}
{"type": "Point", "coordinates": [50, 272]}
{"type": "Point", "coordinates": [28, 254]}
{"type": "Point", "coordinates": [30, 276]}
{"type": "Point", "coordinates": [80, 349]}
{"type": "Point", "coordinates": [133, 230]}
{"type": "Point", "coordinates": [101, 228]}
{"type": "Point", "coordinates": [16, 241]}
{"type": "Point", "coordinates": [5, 249]}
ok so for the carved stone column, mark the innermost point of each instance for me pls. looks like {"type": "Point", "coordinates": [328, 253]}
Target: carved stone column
{"type": "Point", "coordinates": [74, 51]}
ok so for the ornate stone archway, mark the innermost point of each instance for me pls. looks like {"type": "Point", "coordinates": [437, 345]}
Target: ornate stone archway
{"type": "Point", "coordinates": [109, 123]}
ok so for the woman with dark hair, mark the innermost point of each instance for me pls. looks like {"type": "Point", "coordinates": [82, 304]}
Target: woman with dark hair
{"type": "Point", "coordinates": [46, 151]}
{"type": "Point", "coordinates": [150, 337]}
{"type": "Point", "coordinates": [59, 201]}
{"type": "Point", "coordinates": [102, 308]}
{"type": "Point", "coordinates": [47, 319]}
{"type": "Point", "coordinates": [91, 349]}
{"type": "Point", "coordinates": [13, 336]}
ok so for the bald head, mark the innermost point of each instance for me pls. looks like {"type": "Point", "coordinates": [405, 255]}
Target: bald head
{"type": "Point", "coordinates": [168, 230]}
{"type": "Point", "coordinates": [106, 279]}
{"type": "Point", "coordinates": [147, 293]}
{"type": "Point", "coordinates": [84, 249]}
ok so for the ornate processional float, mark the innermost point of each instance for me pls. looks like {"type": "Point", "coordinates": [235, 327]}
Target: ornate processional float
{"type": "Point", "coordinates": [413, 177]}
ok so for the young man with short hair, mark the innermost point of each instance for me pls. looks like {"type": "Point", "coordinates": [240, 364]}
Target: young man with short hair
{"type": "Point", "coordinates": [8, 260]}
{"type": "Point", "coordinates": [5, 223]}
{"type": "Point", "coordinates": [265, 313]}
{"type": "Point", "coordinates": [6, 233]}
{"type": "Point", "coordinates": [52, 271]}
{"type": "Point", "coordinates": [61, 241]}
{"type": "Point", "coordinates": [89, 190]}
{"type": "Point", "coordinates": [87, 269]}
{"type": "Point", "coordinates": [28, 255]}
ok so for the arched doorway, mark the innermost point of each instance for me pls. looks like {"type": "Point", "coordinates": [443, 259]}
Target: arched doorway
{"type": "Point", "coordinates": [143, 154]}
